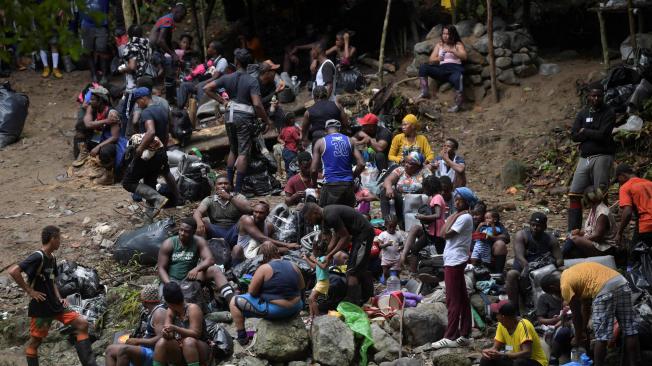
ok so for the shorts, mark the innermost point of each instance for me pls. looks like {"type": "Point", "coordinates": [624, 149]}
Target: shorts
{"type": "Point", "coordinates": [594, 170]}
{"type": "Point", "coordinates": [393, 264]}
{"type": "Point", "coordinates": [39, 327]}
{"type": "Point", "coordinates": [240, 134]}
{"type": "Point", "coordinates": [95, 39]}
{"type": "Point", "coordinates": [322, 287]}
{"type": "Point", "coordinates": [614, 304]}
{"type": "Point", "coordinates": [338, 193]}
{"type": "Point", "coordinates": [482, 251]}
{"type": "Point", "coordinates": [254, 307]}
{"type": "Point", "coordinates": [147, 356]}
{"type": "Point", "coordinates": [358, 262]}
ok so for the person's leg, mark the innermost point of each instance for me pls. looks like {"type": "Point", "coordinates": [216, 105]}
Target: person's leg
{"type": "Point", "coordinates": [601, 169]}
{"type": "Point", "coordinates": [453, 302]}
{"type": "Point", "coordinates": [312, 303]}
{"type": "Point", "coordinates": [511, 286]}
{"type": "Point", "coordinates": [599, 352]}
{"type": "Point", "coordinates": [464, 304]}
{"type": "Point", "coordinates": [44, 61]}
{"type": "Point", "coordinates": [561, 343]}
{"type": "Point", "coordinates": [245, 137]}
{"type": "Point", "coordinates": [31, 350]}
{"type": "Point", "coordinates": [111, 354]}
{"type": "Point", "coordinates": [237, 255]}
{"type": "Point", "coordinates": [425, 71]}
{"type": "Point", "coordinates": [381, 160]}
{"type": "Point", "coordinates": [167, 351]}
{"type": "Point", "coordinates": [581, 180]}
{"type": "Point", "coordinates": [128, 355]}
{"type": "Point", "coordinates": [55, 58]}
{"type": "Point", "coordinates": [628, 321]}
{"type": "Point", "coordinates": [221, 282]}
{"type": "Point", "coordinates": [499, 251]}
{"type": "Point", "coordinates": [190, 351]}
{"type": "Point", "coordinates": [456, 78]}
{"type": "Point", "coordinates": [83, 345]}
{"type": "Point", "coordinates": [642, 92]}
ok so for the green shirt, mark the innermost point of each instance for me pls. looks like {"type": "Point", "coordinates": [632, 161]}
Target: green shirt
{"type": "Point", "coordinates": [183, 259]}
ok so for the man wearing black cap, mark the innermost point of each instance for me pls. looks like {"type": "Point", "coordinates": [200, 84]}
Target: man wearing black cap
{"type": "Point", "coordinates": [335, 153]}
{"type": "Point", "coordinates": [635, 194]}
{"type": "Point", "coordinates": [150, 159]}
{"type": "Point", "coordinates": [531, 244]}
{"type": "Point", "coordinates": [161, 40]}
{"type": "Point", "coordinates": [592, 129]}
{"type": "Point", "coordinates": [243, 107]}
{"type": "Point", "coordinates": [516, 342]}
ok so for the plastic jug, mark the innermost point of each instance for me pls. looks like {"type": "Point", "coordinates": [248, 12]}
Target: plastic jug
{"type": "Point", "coordinates": [393, 282]}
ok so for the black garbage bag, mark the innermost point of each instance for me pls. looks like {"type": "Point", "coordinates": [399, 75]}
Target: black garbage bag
{"type": "Point", "coordinates": [142, 245]}
{"type": "Point", "coordinates": [193, 180]}
{"type": "Point", "coordinates": [75, 278]}
{"type": "Point", "coordinates": [286, 223]}
{"type": "Point", "coordinates": [13, 113]}
{"type": "Point", "coordinates": [621, 75]}
{"type": "Point", "coordinates": [296, 257]}
{"type": "Point", "coordinates": [336, 291]}
{"type": "Point", "coordinates": [93, 310]}
{"type": "Point", "coordinates": [350, 80]}
{"type": "Point", "coordinates": [618, 96]}
{"type": "Point", "coordinates": [641, 273]}
{"type": "Point", "coordinates": [219, 340]}
{"type": "Point", "coordinates": [181, 126]}
{"type": "Point", "coordinates": [221, 252]}
{"type": "Point", "coordinates": [257, 166]}
{"type": "Point", "coordinates": [249, 266]}
{"type": "Point", "coordinates": [262, 184]}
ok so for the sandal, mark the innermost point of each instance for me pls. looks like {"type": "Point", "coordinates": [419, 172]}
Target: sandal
{"type": "Point", "coordinates": [445, 343]}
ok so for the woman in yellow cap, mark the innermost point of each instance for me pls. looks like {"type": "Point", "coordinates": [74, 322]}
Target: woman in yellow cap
{"type": "Point", "coordinates": [409, 140]}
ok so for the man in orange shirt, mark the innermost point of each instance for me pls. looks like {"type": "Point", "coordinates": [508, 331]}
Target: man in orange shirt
{"type": "Point", "coordinates": [635, 194]}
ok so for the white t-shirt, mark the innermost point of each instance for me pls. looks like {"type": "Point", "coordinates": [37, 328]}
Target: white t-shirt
{"type": "Point", "coordinates": [392, 253]}
{"type": "Point", "coordinates": [457, 248]}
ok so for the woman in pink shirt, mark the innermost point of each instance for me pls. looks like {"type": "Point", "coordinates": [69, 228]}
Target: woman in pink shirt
{"type": "Point", "coordinates": [445, 65]}
{"type": "Point", "coordinates": [429, 232]}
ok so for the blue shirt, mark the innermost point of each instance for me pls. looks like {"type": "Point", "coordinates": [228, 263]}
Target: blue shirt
{"type": "Point", "coordinates": [337, 158]}
{"type": "Point", "coordinates": [322, 274]}
{"type": "Point", "coordinates": [94, 10]}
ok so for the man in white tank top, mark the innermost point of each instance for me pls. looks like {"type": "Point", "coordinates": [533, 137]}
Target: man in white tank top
{"type": "Point", "coordinates": [325, 73]}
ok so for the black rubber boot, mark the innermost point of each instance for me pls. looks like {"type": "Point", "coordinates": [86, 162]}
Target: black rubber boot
{"type": "Point", "coordinates": [85, 353]}
{"type": "Point", "coordinates": [32, 361]}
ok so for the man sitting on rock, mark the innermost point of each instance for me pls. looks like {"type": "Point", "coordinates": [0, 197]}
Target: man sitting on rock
{"type": "Point", "coordinates": [186, 256]}
{"type": "Point", "coordinates": [531, 244]}
{"type": "Point", "coordinates": [139, 348]}
{"type": "Point", "coordinates": [253, 231]}
{"type": "Point", "coordinates": [375, 139]}
{"type": "Point", "coordinates": [223, 209]}
{"type": "Point", "coordinates": [295, 189]}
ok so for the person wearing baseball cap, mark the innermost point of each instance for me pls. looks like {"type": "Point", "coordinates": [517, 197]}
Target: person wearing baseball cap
{"type": "Point", "coordinates": [375, 139]}
{"type": "Point", "coordinates": [335, 153]}
{"type": "Point", "coordinates": [270, 84]}
{"type": "Point", "coordinates": [634, 192]}
{"type": "Point", "coordinates": [531, 244]}
{"type": "Point", "coordinates": [139, 347]}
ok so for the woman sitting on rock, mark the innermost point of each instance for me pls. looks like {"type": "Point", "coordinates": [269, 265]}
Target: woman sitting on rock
{"type": "Point", "coordinates": [408, 141]}
{"type": "Point", "coordinates": [407, 178]}
{"type": "Point", "coordinates": [445, 65]}
{"type": "Point", "coordinates": [274, 292]}
{"type": "Point", "coordinates": [598, 237]}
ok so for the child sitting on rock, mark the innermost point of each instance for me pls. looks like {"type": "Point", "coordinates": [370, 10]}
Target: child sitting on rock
{"type": "Point", "coordinates": [391, 242]}
{"type": "Point", "coordinates": [484, 237]}
{"type": "Point", "coordinates": [318, 260]}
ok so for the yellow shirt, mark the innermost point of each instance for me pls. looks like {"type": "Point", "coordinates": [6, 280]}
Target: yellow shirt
{"type": "Point", "coordinates": [400, 147]}
{"type": "Point", "coordinates": [585, 280]}
{"type": "Point", "coordinates": [524, 333]}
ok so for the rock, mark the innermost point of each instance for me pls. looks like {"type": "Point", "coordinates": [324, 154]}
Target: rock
{"type": "Point", "coordinates": [472, 69]}
{"type": "Point", "coordinates": [465, 27]}
{"type": "Point", "coordinates": [423, 324]}
{"type": "Point", "coordinates": [549, 69]}
{"type": "Point", "coordinates": [503, 62]}
{"type": "Point", "coordinates": [499, 24]}
{"type": "Point", "coordinates": [498, 52]}
{"type": "Point", "coordinates": [524, 71]}
{"type": "Point", "coordinates": [411, 71]}
{"type": "Point", "coordinates": [252, 361]}
{"type": "Point", "coordinates": [298, 363]}
{"type": "Point", "coordinates": [435, 32]}
{"type": "Point", "coordinates": [475, 57]}
{"type": "Point", "coordinates": [520, 38]}
{"type": "Point", "coordinates": [514, 172]}
{"type": "Point", "coordinates": [476, 79]}
{"type": "Point", "coordinates": [521, 59]}
{"type": "Point", "coordinates": [425, 47]}
{"type": "Point", "coordinates": [451, 360]}
{"type": "Point", "coordinates": [486, 84]}
{"type": "Point", "coordinates": [332, 341]}
{"type": "Point", "coordinates": [558, 191]}
{"type": "Point", "coordinates": [479, 30]}
{"type": "Point", "coordinates": [404, 361]}
{"type": "Point", "coordinates": [385, 346]}
{"type": "Point", "coordinates": [508, 77]}
{"type": "Point", "coordinates": [445, 87]}
{"type": "Point", "coordinates": [281, 340]}
{"type": "Point", "coordinates": [501, 40]}
{"type": "Point", "coordinates": [523, 50]}
{"type": "Point", "coordinates": [643, 40]}
{"type": "Point", "coordinates": [106, 244]}
{"type": "Point", "coordinates": [486, 72]}
{"type": "Point", "coordinates": [508, 52]}
{"type": "Point", "coordinates": [478, 304]}
{"type": "Point", "coordinates": [86, 222]}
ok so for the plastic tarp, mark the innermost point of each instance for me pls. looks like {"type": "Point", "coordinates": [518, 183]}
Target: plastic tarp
{"type": "Point", "coordinates": [142, 245]}
{"type": "Point", "coordinates": [13, 113]}
{"type": "Point", "coordinates": [357, 320]}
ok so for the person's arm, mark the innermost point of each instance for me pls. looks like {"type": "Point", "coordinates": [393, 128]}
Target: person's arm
{"type": "Point", "coordinates": [457, 167]}
{"type": "Point", "coordinates": [459, 50]}
{"type": "Point", "coordinates": [548, 321]}
{"type": "Point", "coordinates": [148, 137]}
{"type": "Point", "coordinates": [194, 330]}
{"type": "Point", "coordinates": [576, 129]}
{"type": "Point", "coordinates": [15, 273]}
{"type": "Point", "coordinates": [158, 321]}
{"type": "Point", "coordinates": [260, 110]}
{"type": "Point", "coordinates": [503, 235]}
{"type": "Point", "coordinates": [603, 132]}
{"type": "Point", "coordinates": [525, 351]}
{"type": "Point", "coordinates": [344, 119]}
{"type": "Point", "coordinates": [209, 90]}
{"type": "Point", "coordinates": [206, 256]}
{"type": "Point", "coordinates": [198, 214]}
{"type": "Point", "coordinates": [343, 238]}
{"type": "Point", "coordinates": [494, 351]}
{"type": "Point", "coordinates": [430, 218]}
{"type": "Point", "coordinates": [378, 145]}
{"type": "Point", "coordinates": [389, 184]}
{"type": "Point", "coordinates": [323, 265]}
{"type": "Point", "coordinates": [359, 160]}
{"type": "Point", "coordinates": [625, 217]}
{"type": "Point", "coordinates": [305, 128]}
{"type": "Point", "coordinates": [434, 55]}
{"type": "Point", "coordinates": [331, 50]}
{"type": "Point", "coordinates": [449, 228]}
{"type": "Point", "coordinates": [519, 249]}
{"type": "Point", "coordinates": [293, 197]}
{"type": "Point", "coordinates": [242, 204]}
{"type": "Point", "coordinates": [258, 279]}
{"type": "Point", "coordinates": [90, 123]}
{"type": "Point", "coordinates": [247, 224]}
{"type": "Point", "coordinates": [578, 319]}
{"type": "Point", "coordinates": [163, 45]}
{"type": "Point", "coordinates": [395, 154]}
{"type": "Point", "coordinates": [164, 261]}
{"type": "Point", "coordinates": [317, 151]}
{"type": "Point", "coordinates": [115, 135]}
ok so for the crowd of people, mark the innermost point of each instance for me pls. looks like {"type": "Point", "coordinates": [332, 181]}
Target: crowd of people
{"type": "Point", "coordinates": [326, 190]}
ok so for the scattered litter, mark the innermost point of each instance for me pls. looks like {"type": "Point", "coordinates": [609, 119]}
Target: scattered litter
{"type": "Point", "coordinates": [16, 215]}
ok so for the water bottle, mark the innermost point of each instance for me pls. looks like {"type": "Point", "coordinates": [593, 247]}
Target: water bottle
{"type": "Point", "coordinates": [574, 355]}
{"type": "Point", "coordinates": [392, 207]}
{"type": "Point", "coordinates": [393, 282]}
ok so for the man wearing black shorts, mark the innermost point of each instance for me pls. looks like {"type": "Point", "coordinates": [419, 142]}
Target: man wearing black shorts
{"type": "Point", "coordinates": [95, 36]}
{"type": "Point", "coordinates": [46, 302]}
{"type": "Point", "coordinates": [349, 227]}
{"type": "Point", "coordinates": [160, 38]}
{"type": "Point", "coordinates": [243, 107]}
{"type": "Point", "coordinates": [150, 159]}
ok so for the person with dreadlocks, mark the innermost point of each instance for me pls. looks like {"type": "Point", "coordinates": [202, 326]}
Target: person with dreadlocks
{"type": "Point", "coordinates": [274, 292]}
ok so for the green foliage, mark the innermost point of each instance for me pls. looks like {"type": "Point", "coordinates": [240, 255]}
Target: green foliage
{"type": "Point", "coordinates": [150, 11]}
{"type": "Point", "coordinates": [128, 306]}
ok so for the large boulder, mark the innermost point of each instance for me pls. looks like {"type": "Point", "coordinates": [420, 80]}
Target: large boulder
{"type": "Point", "coordinates": [422, 324]}
{"type": "Point", "coordinates": [520, 38]}
{"type": "Point", "coordinates": [435, 32]}
{"type": "Point", "coordinates": [643, 40]}
{"type": "Point", "coordinates": [424, 48]}
{"type": "Point", "coordinates": [475, 57]}
{"type": "Point", "coordinates": [451, 359]}
{"type": "Point", "coordinates": [465, 27]}
{"type": "Point", "coordinates": [521, 59]}
{"type": "Point", "coordinates": [281, 341]}
{"type": "Point", "coordinates": [499, 24]}
{"type": "Point", "coordinates": [503, 62]}
{"type": "Point", "coordinates": [501, 40]}
{"type": "Point", "coordinates": [508, 77]}
{"type": "Point", "coordinates": [403, 361]}
{"type": "Point", "coordinates": [524, 71]}
{"type": "Point", "coordinates": [332, 341]}
{"type": "Point", "coordinates": [486, 72]}
{"type": "Point", "coordinates": [514, 172]}
{"type": "Point", "coordinates": [385, 346]}
{"type": "Point", "coordinates": [479, 30]}
{"type": "Point", "coordinates": [470, 69]}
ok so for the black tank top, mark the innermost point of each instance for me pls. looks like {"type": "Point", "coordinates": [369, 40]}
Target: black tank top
{"type": "Point", "coordinates": [322, 111]}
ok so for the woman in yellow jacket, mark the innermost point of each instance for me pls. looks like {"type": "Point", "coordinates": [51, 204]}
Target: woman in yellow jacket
{"type": "Point", "coordinates": [409, 140]}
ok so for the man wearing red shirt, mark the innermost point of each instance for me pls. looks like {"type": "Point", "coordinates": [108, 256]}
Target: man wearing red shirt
{"type": "Point", "coordinates": [635, 194]}
{"type": "Point", "coordinates": [295, 189]}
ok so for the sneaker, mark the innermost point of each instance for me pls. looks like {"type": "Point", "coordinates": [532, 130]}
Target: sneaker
{"type": "Point", "coordinates": [46, 72]}
{"type": "Point", "coordinates": [463, 342]}
{"type": "Point", "coordinates": [445, 343]}
{"type": "Point", "coordinates": [56, 73]}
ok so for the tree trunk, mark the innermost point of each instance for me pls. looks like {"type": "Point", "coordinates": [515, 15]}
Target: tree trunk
{"type": "Point", "coordinates": [381, 58]}
{"type": "Point", "coordinates": [198, 30]}
{"type": "Point", "coordinates": [127, 13]}
{"type": "Point", "coordinates": [632, 27]}
{"type": "Point", "coordinates": [490, 44]}
{"type": "Point", "coordinates": [137, 12]}
{"type": "Point", "coordinates": [453, 12]}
